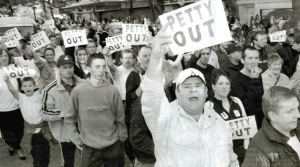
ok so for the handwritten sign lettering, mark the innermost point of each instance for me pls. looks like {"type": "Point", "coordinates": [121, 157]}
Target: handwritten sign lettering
{"type": "Point", "coordinates": [243, 128]}
{"type": "Point", "coordinates": [197, 26]}
{"type": "Point", "coordinates": [39, 40]}
{"type": "Point", "coordinates": [74, 38]}
{"type": "Point", "coordinates": [134, 34]}
{"type": "Point", "coordinates": [115, 44]}
{"type": "Point", "coordinates": [279, 36]}
{"type": "Point", "coordinates": [16, 72]}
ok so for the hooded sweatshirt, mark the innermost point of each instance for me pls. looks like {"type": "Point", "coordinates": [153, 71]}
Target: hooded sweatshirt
{"type": "Point", "coordinates": [99, 113]}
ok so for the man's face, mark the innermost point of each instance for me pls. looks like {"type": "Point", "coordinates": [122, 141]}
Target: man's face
{"type": "Point", "coordinates": [66, 70]}
{"type": "Point", "coordinates": [82, 56]}
{"type": "Point", "coordinates": [53, 41]}
{"type": "Point", "coordinates": [98, 69]}
{"type": "Point", "coordinates": [275, 67]}
{"type": "Point", "coordinates": [191, 95]}
{"type": "Point", "coordinates": [117, 32]}
{"type": "Point", "coordinates": [28, 51]}
{"type": "Point", "coordinates": [205, 55]}
{"type": "Point", "coordinates": [144, 57]}
{"type": "Point", "coordinates": [290, 40]}
{"type": "Point", "coordinates": [261, 41]}
{"type": "Point", "coordinates": [287, 114]}
{"type": "Point", "coordinates": [91, 48]}
{"type": "Point", "coordinates": [127, 60]}
{"type": "Point", "coordinates": [28, 87]}
{"type": "Point", "coordinates": [49, 56]}
{"type": "Point", "coordinates": [237, 55]}
{"type": "Point", "coordinates": [251, 59]}
{"type": "Point", "coordinates": [254, 28]}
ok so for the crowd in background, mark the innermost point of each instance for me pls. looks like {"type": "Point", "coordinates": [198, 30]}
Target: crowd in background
{"type": "Point", "coordinates": [93, 100]}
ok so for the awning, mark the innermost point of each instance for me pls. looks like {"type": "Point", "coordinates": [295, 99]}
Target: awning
{"type": "Point", "coordinates": [16, 21]}
{"type": "Point", "coordinates": [85, 3]}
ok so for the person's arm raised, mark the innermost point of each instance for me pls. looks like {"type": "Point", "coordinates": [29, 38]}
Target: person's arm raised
{"type": "Point", "coordinates": [159, 49]}
{"type": "Point", "coordinates": [13, 91]}
{"type": "Point", "coordinates": [108, 58]}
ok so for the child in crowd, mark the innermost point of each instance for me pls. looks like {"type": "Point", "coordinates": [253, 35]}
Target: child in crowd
{"type": "Point", "coordinates": [31, 104]}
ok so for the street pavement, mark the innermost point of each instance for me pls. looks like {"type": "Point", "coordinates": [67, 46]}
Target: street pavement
{"type": "Point", "coordinates": [55, 157]}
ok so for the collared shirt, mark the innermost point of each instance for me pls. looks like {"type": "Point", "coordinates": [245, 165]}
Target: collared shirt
{"type": "Point", "coordinates": [69, 87]}
{"type": "Point", "coordinates": [270, 80]}
{"type": "Point", "coordinates": [179, 139]}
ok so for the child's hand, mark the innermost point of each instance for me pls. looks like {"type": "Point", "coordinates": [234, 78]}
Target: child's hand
{"type": "Point", "coordinates": [6, 77]}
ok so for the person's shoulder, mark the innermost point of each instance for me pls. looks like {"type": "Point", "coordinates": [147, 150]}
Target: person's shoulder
{"type": "Point", "coordinates": [210, 67]}
{"type": "Point", "coordinates": [237, 75]}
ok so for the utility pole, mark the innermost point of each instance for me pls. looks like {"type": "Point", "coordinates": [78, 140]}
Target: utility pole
{"type": "Point", "coordinates": [296, 13]}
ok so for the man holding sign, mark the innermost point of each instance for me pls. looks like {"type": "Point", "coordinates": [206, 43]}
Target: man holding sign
{"type": "Point", "coordinates": [185, 132]}
{"type": "Point", "coordinates": [277, 142]}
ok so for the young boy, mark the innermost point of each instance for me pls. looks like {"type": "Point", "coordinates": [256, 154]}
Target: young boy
{"type": "Point", "coordinates": [31, 105]}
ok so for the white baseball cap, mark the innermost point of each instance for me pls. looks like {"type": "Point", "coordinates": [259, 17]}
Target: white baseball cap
{"type": "Point", "coordinates": [187, 73]}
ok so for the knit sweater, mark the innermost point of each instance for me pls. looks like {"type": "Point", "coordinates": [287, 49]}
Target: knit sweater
{"type": "Point", "coordinates": [99, 113]}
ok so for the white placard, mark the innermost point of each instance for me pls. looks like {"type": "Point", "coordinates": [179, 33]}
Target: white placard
{"type": "Point", "coordinates": [279, 36]}
{"type": "Point", "coordinates": [116, 25]}
{"type": "Point", "coordinates": [8, 43]}
{"type": "Point", "coordinates": [243, 128]}
{"type": "Point", "coordinates": [115, 44]}
{"type": "Point", "coordinates": [39, 40]}
{"type": "Point", "coordinates": [12, 37]}
{"type": "Point", "coordinates": [17, 72]}
{"type": "Point", "coordinates": [197, 26]}
{"type": "Point", "coordinates": [134, 34]}
{"type": "Point", "coordinates": [74, 38]}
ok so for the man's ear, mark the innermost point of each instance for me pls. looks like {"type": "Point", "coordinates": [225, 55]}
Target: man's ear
{"type": "Point", "coordinates": [89, 69]}
{"type": "Point", "coordinates": [242, 61]}
{"type": "Point", "coordinates": [121, 60]}
{"type": "Point", "coordinates": [272, 116]}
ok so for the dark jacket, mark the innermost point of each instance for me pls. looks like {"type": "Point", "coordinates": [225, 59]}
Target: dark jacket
{"type": "Point", "coordinates": [132, 84]}
{"type": "Point", "coordinates": [269, 148]}
{"type": "Point", "coordinates": [250, 91]}
{"type": "Point", "coordinates": [139, 135]}
{"type": "Point", "coordinates": [231, 69]}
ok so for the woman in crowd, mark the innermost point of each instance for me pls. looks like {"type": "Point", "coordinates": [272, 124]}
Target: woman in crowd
{"type": "Point", "coordinates": [228, 107]}
{"type": "Point", "coordinates": [273, 76]}
{"type": "Point", "coordinates": [11, 120]}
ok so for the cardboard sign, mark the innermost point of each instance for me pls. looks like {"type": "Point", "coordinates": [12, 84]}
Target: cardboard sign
{"type": "Point", "coordinates": [279, 36]}
{"type": "Point", "coordinates": [8, 43]}
{"type": "Point", "coordinates": [197, 26]}
{"type": "Point", "coordinates": [13, 34]}
{"type": "Point", "coordinates": [74, 38]}
{"type": "Point", "coordinates": [39, 40]}
{"type": "Point", "coordinates": [115, 44]}
{"type": "Point", "coordinates": [116, 25]}
{"type": "Point", "coordinates": [49, 23]}
{"type": "Point", "coordinates": [243, 128]}
{"type": "Point", "coordinates": [16, 72]}
{"type": "Point", "coordinates": [134, 34]}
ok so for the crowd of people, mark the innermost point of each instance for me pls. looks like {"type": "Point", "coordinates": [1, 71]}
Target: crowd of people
{"type": "Point", "coordinates": [157, 108]}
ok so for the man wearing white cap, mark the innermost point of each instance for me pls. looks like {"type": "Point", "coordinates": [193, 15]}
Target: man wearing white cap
{"type": "Point", "coordinates": [185, 132]}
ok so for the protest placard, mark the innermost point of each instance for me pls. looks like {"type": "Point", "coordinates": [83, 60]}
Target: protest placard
{"type": "Point", "coordinates": [116, 25]}
{"type": "Point", "coordinates": [74, 38]}
{"type": "Point", "coordinates": [8, 43]}
{"type": "Point", "coordinates": [17, 72]}
{"type": "Point", "coordinates": [243, 128]}
{"type": "Point", "coordinates": [134, 34]}
{"type": "Point", "coordinates": [115, 44]}
{"type": "Point", "coordinates": [39, 40]}
{"type": "Point", "coordinates": [197, 26]}
{"type": "Point", "coordinates": [279, 36]}
{"type": "Point", "coordinates": [12, 37]}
